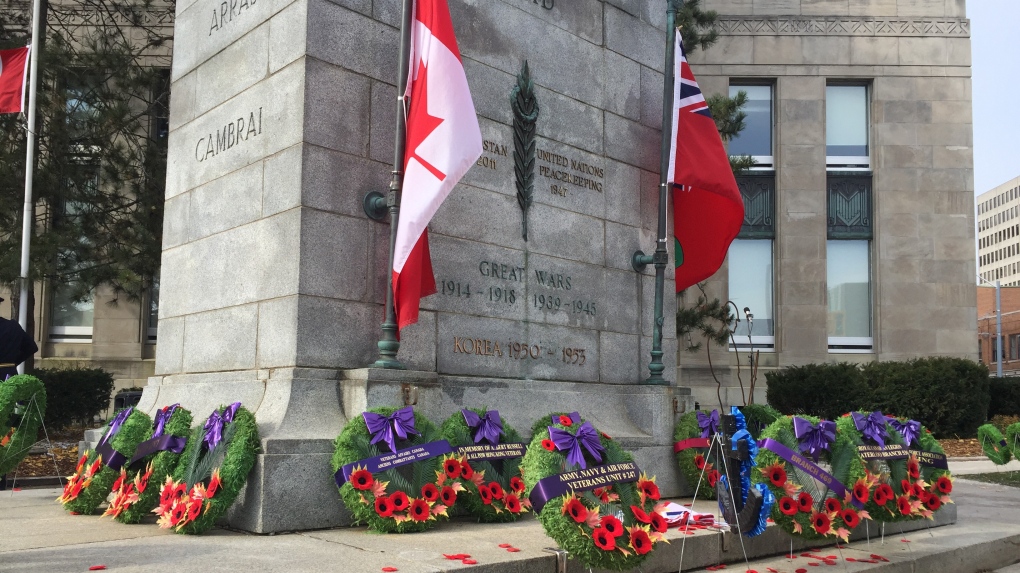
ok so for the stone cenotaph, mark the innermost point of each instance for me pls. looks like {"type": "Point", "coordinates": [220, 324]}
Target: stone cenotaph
{"type": "Point", "coordinates": [274, 278]}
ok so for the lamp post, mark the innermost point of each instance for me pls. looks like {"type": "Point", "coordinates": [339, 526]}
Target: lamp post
{"type": "Point", "coordinates": [998, 325]}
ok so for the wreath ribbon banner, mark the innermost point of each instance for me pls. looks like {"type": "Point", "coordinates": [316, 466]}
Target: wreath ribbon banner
{"type": "Point", "coordinates": [164, 443]}
{"type": "Point", "coordinates": [931, 459]}
{"type": "Point", "coordinates": [492, 451]}
{"type": "Point", "coordinates": [810, 467]}
{"type": "Point", "coordinates": [581, 480]}
{"type": "Point", "coordinates": [886, 452]}
{"type": "Point", "coordinates": [111, 457]}
{"type": "Point", "coordinates": [690, 443]}
{"type": "Point", "coordinates": [390, 461]}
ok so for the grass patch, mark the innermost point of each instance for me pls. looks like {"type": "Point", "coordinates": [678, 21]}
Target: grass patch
{"type": "Point", "coordinates": [1002, 478]}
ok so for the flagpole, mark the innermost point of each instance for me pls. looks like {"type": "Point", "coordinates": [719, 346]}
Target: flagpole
{"type": "Point", "coordinates": [26, 226]}
{"type": "Point", "coordinates": [388, 342]}
{"type": "Point", "coordinates": [661, 256]}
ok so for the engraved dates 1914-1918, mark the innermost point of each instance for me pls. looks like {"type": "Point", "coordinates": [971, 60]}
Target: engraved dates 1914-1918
{"type": "Point", "coordinates": [509, 289]}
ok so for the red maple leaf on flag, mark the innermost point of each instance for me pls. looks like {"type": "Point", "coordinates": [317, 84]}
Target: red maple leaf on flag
{"type": "Point", "coordinates": [422, 125]}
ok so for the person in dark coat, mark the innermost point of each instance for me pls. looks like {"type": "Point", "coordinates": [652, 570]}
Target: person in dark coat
{"type": "Point", "coordinates": [15, 347]}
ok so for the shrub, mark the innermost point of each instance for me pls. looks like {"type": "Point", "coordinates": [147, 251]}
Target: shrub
{"type": "Point", "coordinates": [948, 395]}
{"type": "Point", "coordinates": [1005, 397]}
{"type": "Point", "coordinates": [75, 395]}
{"type": "Point", "coordinates": [823, 390]}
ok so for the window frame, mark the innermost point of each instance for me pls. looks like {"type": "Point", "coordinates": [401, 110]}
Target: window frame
{"type": "Point", "coordinates": [850, 162]}
{"type": "Point", "coordinates": [761, 162]}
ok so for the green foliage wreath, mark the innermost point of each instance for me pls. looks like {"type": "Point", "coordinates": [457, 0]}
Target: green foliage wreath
{"type": "Point", "coordinates": [608, 528]}
{"type": "Point", "coordinates": [394, 500]}
{"type": "Point", "coordinates": [207, 480]}
{"type": "Point", "coordinates": [805, 507]}
{"type": "Point", "coordinates": [759, 417]}
{"type": "Point", "coordinates": [19, 423]}
{"type": "Point", "coordinates": [994, 444]}
{"type": "Point", "coordinates": [90, 485]}
{"type": "Point", "coordinates": [503, 502]}
{"type": "Point", "coordinates": [1013, 439]}
{"type": "Point", "coordinates": [695, 463]}
{"type": "Point", "coordinates": [901, 489]}
{"type": "Point", "coordinates": [134, 494]}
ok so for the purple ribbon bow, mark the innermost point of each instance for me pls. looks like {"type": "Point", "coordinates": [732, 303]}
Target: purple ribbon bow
{"type": "Point", "coordinates": [389, 428]}
{"type": "Point", "coordinates": [910, 430]}
{"type": "Point", "coordinates": [709, 423]}
{"type": "Point", "coordinates": [115, 425]}
{"type": "Point", "coordinates": [162, 417]}
{"type": "Point", "coordinates": [230, 411]}
{"type": "Point", "coordinates": [813, 438]}
{"type": "Point", "coordinates": [486, 427]}
{"type": "Point", "coordinates": [586, 436]}
{"type": "Point", "coordinates": [213, 430]}
{"type": "Point", "coordinates": [871, 425]}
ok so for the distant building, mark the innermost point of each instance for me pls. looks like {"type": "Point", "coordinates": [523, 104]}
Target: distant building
{"type": "Point", "coordinates": [1010, 329]}
{"type": "Point", "coordinates": [998, 233]}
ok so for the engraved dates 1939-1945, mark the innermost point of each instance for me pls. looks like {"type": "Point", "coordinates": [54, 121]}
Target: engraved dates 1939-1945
{"type": "Point", "coordinates": [507, 290]}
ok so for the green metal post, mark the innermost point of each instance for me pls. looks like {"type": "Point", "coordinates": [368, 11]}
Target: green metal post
{"type": "Point", "coordinates": [388, 343]}
{"type": "Point", "coordinates": [661, 257]}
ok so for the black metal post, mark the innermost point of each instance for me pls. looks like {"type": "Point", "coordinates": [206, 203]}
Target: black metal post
{"type": "Point", "coordinates": [388, 342]}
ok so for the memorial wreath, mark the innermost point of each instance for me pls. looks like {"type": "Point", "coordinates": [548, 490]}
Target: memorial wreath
{"type": "Point", "coordinates": [994, 444]}
{"type": "Point", "coordinates": [692, 445]}
{"type": "Point", "coordinates": [395, 472]}
{"type": "Point", "coordinates": [583, 490]}
{"type": "Point", "coordinates": [816, 475]}
{"type": "Point", "coordinates": [492, 452]}
{"type": "Point", "coordinates": [97, 469]}
{"type": "Point", "coordinates": [132, 496]}
{"type": "Point", "coordinates": [905, 469]}
{"type": "Point", "coordinates": [210, 472]}
{"type": "Point", "coordinates": [22, 407]}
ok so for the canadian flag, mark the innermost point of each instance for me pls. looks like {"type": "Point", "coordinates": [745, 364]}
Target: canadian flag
{"type": "Point", "coordinates": [443, 142]}
{"type": "Point", "coordinates": [13, 70]}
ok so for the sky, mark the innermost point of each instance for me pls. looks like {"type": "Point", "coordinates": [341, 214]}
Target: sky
{"type": "Point", "coordinates": [995, 56]}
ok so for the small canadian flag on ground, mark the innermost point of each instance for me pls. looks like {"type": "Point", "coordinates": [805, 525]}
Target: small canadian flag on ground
{"type": "Point", "coordinates": [13, 71]}
{"type": "Point", "coordinates": [443, 142]}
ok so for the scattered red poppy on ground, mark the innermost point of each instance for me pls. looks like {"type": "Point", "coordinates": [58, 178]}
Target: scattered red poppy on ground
{"type": "Point", "coordinates": [390, 569]}
{"type": "Point", "coordinates": [904, 540]}
{"type": "Point", "coordinates": [851, 559]}
{"type": "Point", "coordinates": [505, 545]}
{"type": "Point", "coordinates": [97, 567]}
{"type": "Point", "coordinates": [801, 570]}
{"type": "Point", "coordinates": [512, 549]}
{"type": "Point", "coordinates": [879, 557]}
{"type": "Point", "coordinates": [791, 556]}
{"type": "Point", "coordinates": [469, 562]}
{"type": "Point", "coordinates": [814, 564]}
{"type": "Point", "coordinates": [456, 556]}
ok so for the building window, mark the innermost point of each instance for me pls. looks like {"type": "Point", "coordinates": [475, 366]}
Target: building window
{"type": "Point", "coordinates": [846, 127]}
{"type": "Point", "coordinates": [756, 137]}
{"type": "Point", "coordinates": [153, 319]}
{"type": "Point", "coordinates": [750, 264]}
{"type": "Point", "coordinates": [848, 275]}
{"type": "Point", "coordinates": [70, 319]}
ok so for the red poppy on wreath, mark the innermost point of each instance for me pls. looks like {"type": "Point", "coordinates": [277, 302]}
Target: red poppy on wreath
{"type": "Point", "coordinates": [194, 509]}
{"type": "Point", "coordinates": [850, 518]}
{"type": "Point", "coordinates": [517, 484]}
{"type": "Point", "coordinates": [603, 539]}
{"type": "Point", "coordinates": [933, 502]}
{"type": "Point", "coordinates": [485, 494]}
{"type": "Point", "coordinates": [884, 494]}
{"type": "Point", "coordinates": [549, 445]}
{"type": "Point", "coordinates": [383, 507]}
{"type": "Point", "coordinates": [903, 504]}
{"type": "Point", "coordinates": [906, 487]}
{"type": "Point", "coordinates": [602, 493]}
{"type": "Point", "coordinates": [430, 492]}
{"type": "Point", "coordinates": [448, 495]}
{"type": "Point", "coordinates": [820, 522]}
{"type": "Point", "coordinates": [699, 461]}
{"type": "Point", "coordinates": [362, 479]}
{"type": "Point", "coordinates": [713, 476]}
{"type": "Point", "coordinates": [776, 474]}
{"type": "Point", "coordinates": [648, 489]}
{"type": "Point", "coordinates": [566, 421]}
{"type": "Point", "coordinates": [640, 514]}
{"type": "Point", "coordinates": [399, 501]}
{"type": "Point", "coordinates": [611, 524]}
{"type": "Point", "coordinates": [913, 469]}
{"type": "Point", "coordinates": [179, 512]}
{"type": "Point", "coordinates": [511, 503]}
{"type": "Point", "coordinates": [917, 490]}
{"type": "Point", "coordinates": [214, 484]}
{"type": "Point", "coordinates": [465, 470]}
{"type": "Point", "coordinates": [805, 502]}
{"type": "Point", "coordinates": [639, 540]}
{"type": "Point", "coordinates": [81, 463]}
{"type": "Point", "coordinates": [944, 485]}
{"type": "Point", "coordinates": [832, 505]}
{"type": "Point", "coordinates": [119, 483]}
{"type": "Point", "coordinates": [496, 490]}
{"type": "Point", "coordinates": [605, 435]}
{"type": "Point", "coordinates": [166, 495]}
{"type": "Point", "coordinates": [576, 510]}
{"type": "Point", "coordinates": [861, 492]}
{"type": "Point", "coordinates": [420, 510]}
{"type": "Point", "coordinates": [180, 491]}
{"type": "Point", "coordinates": [452, 467]}
{"type": "Point", "coordinates": [788, 506]}
{"type": "Point", "coordinates": [658, 522]}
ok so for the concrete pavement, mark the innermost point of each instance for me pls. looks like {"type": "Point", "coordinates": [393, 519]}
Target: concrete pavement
{"type": "Point", "coordinates": [38, 536]}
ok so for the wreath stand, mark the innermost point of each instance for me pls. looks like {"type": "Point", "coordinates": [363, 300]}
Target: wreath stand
{"type": "Point", "coordinates": [49, 444]}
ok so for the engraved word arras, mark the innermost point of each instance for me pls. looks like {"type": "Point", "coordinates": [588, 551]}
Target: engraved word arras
{"type": "Point", "coordinates": [231, 134]}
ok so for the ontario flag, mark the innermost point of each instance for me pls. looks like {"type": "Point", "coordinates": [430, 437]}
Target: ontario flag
{"type": "Point", "coordinates": [443, 142]}
{"type": "Point", "coordinates": [13, 70]}
{"type": "Point", "coordinates": [707, 206]}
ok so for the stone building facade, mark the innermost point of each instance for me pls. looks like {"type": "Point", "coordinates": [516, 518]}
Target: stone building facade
{"type": "Point", "coordinates": [998, 233]}
{"type": "Point", "coordinates": [858, 239]}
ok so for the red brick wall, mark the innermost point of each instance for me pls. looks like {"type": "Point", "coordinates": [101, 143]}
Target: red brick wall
{"type": "Point", "coordinates": [1010, 326]}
